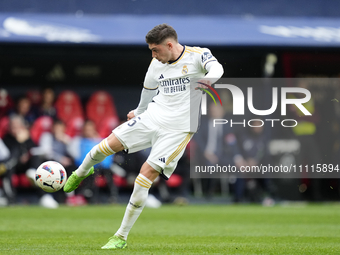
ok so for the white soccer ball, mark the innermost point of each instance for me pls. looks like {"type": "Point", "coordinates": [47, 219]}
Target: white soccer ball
{"type": "Point", "coordinates": [50, 176]}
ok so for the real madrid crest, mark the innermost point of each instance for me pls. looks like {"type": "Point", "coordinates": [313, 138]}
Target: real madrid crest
{"type": "Point", "coordinates": [185, 70]}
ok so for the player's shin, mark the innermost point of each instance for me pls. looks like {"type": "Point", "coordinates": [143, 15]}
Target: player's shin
{"type": "Point", "coordinates": [96, 155]}
{"type": "Point", "coordinates": [135, 205]}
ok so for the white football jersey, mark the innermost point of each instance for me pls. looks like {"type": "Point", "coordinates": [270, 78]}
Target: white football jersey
{"type": "Point", "coordinates": [170, 108]}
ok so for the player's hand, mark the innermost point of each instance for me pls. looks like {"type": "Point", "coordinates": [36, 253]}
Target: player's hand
{"type": "Point", "coordinates": [131, 115]}
{"type": "Point", "coordinates": [201, 84]}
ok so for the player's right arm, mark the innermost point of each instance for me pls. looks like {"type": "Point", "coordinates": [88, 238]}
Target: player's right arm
{"type": "Point", "coordinates": [150, 89]}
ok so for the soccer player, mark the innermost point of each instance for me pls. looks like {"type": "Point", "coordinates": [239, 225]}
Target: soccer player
{"type": "Point", "coordinates": [161, 120]}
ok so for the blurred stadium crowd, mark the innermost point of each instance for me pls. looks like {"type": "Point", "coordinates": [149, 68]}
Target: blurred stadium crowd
{"type": "Point", "coordinates": [40, 126]}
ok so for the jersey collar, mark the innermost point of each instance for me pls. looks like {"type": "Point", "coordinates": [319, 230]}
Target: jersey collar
{"type": "Point", "coordinates": [180, 56]}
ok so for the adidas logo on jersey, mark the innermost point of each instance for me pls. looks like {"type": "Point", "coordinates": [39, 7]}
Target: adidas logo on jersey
{"type": "Point", "coordinates": [162, 159]}
{"type": "Point", "coordinates": [161, 77]}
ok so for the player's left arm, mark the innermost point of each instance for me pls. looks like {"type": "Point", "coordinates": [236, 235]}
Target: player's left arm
{"type": "Point", "coordinates": [215, 71]}
{"type": "Point", "coordinates": [145, 99]}
{"type": "Point", "coordinates": [212, 68]}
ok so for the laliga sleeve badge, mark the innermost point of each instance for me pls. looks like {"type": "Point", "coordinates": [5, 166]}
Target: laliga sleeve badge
{"type": "Point", "coordinates": [206, 56]}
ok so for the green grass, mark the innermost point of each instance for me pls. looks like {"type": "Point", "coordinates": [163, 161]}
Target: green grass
{"type": "Point", "coordinates": [201, 229]}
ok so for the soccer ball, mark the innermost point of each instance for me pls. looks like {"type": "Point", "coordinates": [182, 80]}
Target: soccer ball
{"type": "Point", "coordinates": [50, 176]}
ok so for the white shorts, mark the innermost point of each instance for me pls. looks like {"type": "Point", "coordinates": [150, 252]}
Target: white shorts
{"type": "Point", "coordinates": [167, 147]}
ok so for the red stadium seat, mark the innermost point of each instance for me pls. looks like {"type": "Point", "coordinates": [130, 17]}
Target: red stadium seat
{"type": "Point", "coordinates": [106, 126]}
{"type": "Point", "coordinates": [119, 181]}
{"type": "Point", "coordinates": [21, 180]}
{"type": "Point", "coordinates": [4, 126]}
{"type": "Point", "coordinates": [68, 106]}
{"type": "Point", "coordinates": [174, 181]}
{"type": "Point", "coordinates": [100, 181]}
{"type": "Point", "coordinates": [41, 125]}
{"type": "Point", "coordinates": [70, 111]}
{"type": "Point", "coordinates": [102, 111]}
{"type": "Point", "coordinates": [74, 126]}
{"type": "Point", "coordinates": [34, 96]}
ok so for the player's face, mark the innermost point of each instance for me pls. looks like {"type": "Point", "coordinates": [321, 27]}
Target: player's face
{"type": "Point", "coordinates": [162, 52]}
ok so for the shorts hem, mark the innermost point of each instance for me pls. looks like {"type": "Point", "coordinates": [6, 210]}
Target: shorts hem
{"type": "Point", "coordinates": [155, 166]}
{"type": "Point", "coordinates": [120, 140]}
{"type": "Point", "coordinates": [159, 169]}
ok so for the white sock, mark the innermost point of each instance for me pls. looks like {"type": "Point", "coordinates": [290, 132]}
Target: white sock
{"type": "Point", "coordinates": [96, 155]}
{"type": "Point", "coordinates": [135, 205]}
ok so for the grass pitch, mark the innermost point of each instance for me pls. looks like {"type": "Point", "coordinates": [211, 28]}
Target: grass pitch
{"type": "Point", "coordinates": [201, 229]}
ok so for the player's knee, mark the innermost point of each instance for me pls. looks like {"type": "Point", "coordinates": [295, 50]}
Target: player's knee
{"type": "Point", "coordinates": [114, 143]}
{"type": "Point", "coordinates": [150, 170]}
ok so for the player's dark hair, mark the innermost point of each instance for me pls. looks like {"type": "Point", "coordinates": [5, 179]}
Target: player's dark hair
{"type": "Point", "coordinates": [159, 33]}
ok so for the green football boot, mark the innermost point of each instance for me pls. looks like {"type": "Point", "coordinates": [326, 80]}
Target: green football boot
{"type": "Point", "coordinates": [115, 242]}
{"type": "Point", "coordinates": [73, 181]}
